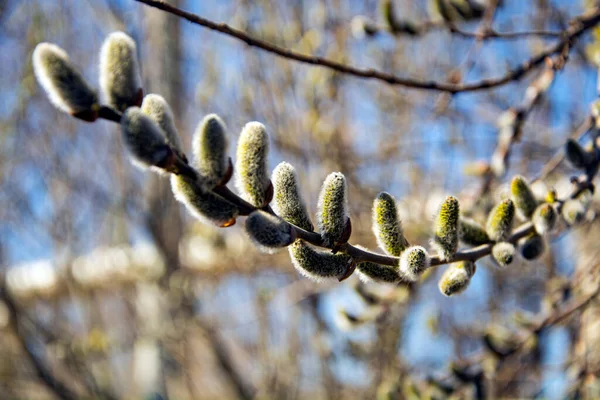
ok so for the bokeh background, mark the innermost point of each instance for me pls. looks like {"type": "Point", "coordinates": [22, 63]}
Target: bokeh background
{"type": "Point", "coordinates": [122, 294]}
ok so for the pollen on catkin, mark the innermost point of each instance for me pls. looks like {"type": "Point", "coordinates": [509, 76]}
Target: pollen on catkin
{"type": "Point", "coordinates": [252, 178]}
{"type": "Point", "coordinates": [269, 232]}
{"type": "Point", "coordinates": [445, 239]}
{"type": "Point", "coordinates": [532, 246]}
{"type": "Point", "coordinates": [523, 197]}
{"type": "Point", "coordinates": [387, 226]}
{"type": "Point", "coordinates": [456, 278]}
{"type": "Point", "coordinates": [288, 203]}
{"type": "Point", "coordinates": [332, 215]}
{"type": "Point", "coordinates": [472, 233]}
{"type": "Point", "coordinates": [373, 272]}
{"type": "Point", "coordinates": [210, 149]}
{"type": "Point", "coordinates": [203, 204]}
{"type": "Point", "coordinates": [119, 72]}
{"type": "Point", "coordinates": [413, 262]}
{"type": "Point", "coordinates": [500, 221]}
{"type": "Point", "coordinates": [157, 108]}
{"type": "Point", "coordinates": [144, 140]}
{"type": "Point", "coordinates": [544, 218]}
{"type": "Point", "coordinates": [503, 253]}
{"type": "Point", "coordinates": [317, 264]}
{"type": "Point", "coordinates": [63, 83]}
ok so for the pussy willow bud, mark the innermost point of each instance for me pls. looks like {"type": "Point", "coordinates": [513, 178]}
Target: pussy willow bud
{"type": "Point", "coordinates": [532, 246]}
{"type": "Point", "coordinates": [456, 278]}
{"type": "Point", "coordinates": [445, 240]}
{"type": "Point", "coordinates": [387, 226]}
{"type": "Point", "coordinates": [210, 149]}
{"type": "Point", "coordinates": [63, 83]}
{"type": "Point", "coordinates": [332, 216]}
{"type": "Point", "coordinates": [369, 271]}
{"type": "Point", "coordinates": [577, 155]}
{"type": "Point", "coordinates": [413, 262]}
{"type": "Point", "coordinates": [500, 221]}
{"type": "Point", "coordinates": [157, 108]}
{"type": "Point", "coordinates": [471, 233]}
{"type": "Point", "coordinates": [503, 253]}
{"type": "Point", "coordinates": [288, 203]}
{"type": "Point", "coordinates": [119, 72]}
{"type": "Point", "coordinates": [573, 211]}
{"type": "Point", "coordinates": [269, 232]}
{"type": "Point", "coordinates": [252, 178]}
{"type": "Point", "coordinates": [544, 218]}
{"type": "Point", "coordinates": [523, 197]}
{"type": "Point", "coordinates": [203, 204]}
{"type": "Point", "coordinates": [316, 264]}
{"type": "Point", "coordinates": [145, 140]}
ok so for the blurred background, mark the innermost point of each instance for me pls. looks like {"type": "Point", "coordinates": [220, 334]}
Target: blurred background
{"type": "Point", "coordinates": [117, 292]}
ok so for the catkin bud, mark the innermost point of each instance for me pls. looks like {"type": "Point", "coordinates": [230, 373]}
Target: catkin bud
{"type": "Point", "coordinates": [370, 271]}
{"type": "Point", "coordinates": [532, 246]}
{"type": "Point", "coordinates": [332, 216]}
{"type": "Point", "coordinates": [316, 264]}
{"type": "Point", "coordinates": [500, 221]}
{"type": "Point", "coordinates": [503, 253]}
{"type": "Point", "coordinates": [63, 83]}
{"type": "Point", "coordinates": [252, 178]}
{"type": "Point", "coordinates": [471, 233]}
{"type": "Point", "coordinates": [573, 211]}
{"type": "Point", "coordinates": [387, 226]}
{"type": "Point", "coordinates": [288, 204]}
{"type": "Point", "coordinates": [577, 155]}
{"type": "Point", "coordinates": [523, 197]}
{"type": "Point", "coordinates": [119, 72]}
{"type": "Point", "coordinates": [145, 140]}
{"type": "Point", "coordinates": [210, 149]}
{"type": "Point", "coordinates": [413, 262]}
{"type": "Point", "coordinates": [269, 232]}
{"type": "Point", "coordinates": [157, 108]}
{"type": "Point", "coordinates": [456, 278]}
{"type": "Point", "coordinates": [203, 204]}
{"type": "Point", "coordinates": [544, 218]}
{"type": "Point", "coordinates": [445, 239]}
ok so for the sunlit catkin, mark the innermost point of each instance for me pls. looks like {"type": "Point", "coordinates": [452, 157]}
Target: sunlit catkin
{"type": "Point", "coordinates": [317, 264]}
{"type": "Point", "coordinates": [522, 196]}
{"type": "Point", "coordinates": [413, 262]}
{"type": "Point", "coordinates": [456, 278]}
{"type": "Point", "coordinates": [65, 86]}
{"type": "Point", "coordinates": [471, 233]}
{"type": "Point", "coordinates": [387, 226]}
{"type": "Point", "coordinates": [144, 140]}
{"type": "Point", "coordinates": [157, 108]}
{"type": "Point", "coordinates": [500, 221]}
{"type": "Point", "coordinates": [544, 218]}
{"type": "Point", "coordinates": [332, 215]}
{"type": "Point", "coordinates": [370, 271]}
{"type": "Point", "coordinates": [210, 149]}
{"type": "Point", "coordinates": [445, 240]}
{"type": "Point", "coordinates": [119, 72]}
{"type": "Point", "coordinates": [288, 203]}
{"type": "Point", "coordinates": [269, 232]}
{"type": "Point", "coordinates": [252, 178]}
{"type": "Point", "coordinates": [503, 253]}
{"type": "Point", "coordinates": [203, 204]}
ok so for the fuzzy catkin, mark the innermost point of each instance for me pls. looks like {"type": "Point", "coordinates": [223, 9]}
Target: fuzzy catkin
{"type": "Point", "coordinates": [471, 233]}
{"type": "Point", "coordinates": [544, 219]}
{"type": "Point", "coordinates": [370, 271]}
{"type": "Point", "coordinates": [157, 108]}
{"type": "Point", "coordinates": [252, 178]}
{"type": "Point", "coordinates": [203, 204]}
{"type": "Point", "coordinates": [500, 221]}
{"type": "Point", "coordinates": [456, 278]}
{"type": "Point", "coordinates": [532, 246]}
{"type": "Point", "coordinates": [63, 83]}
{"type": "Point", "coordinates": [503, 253]}
{"type": "Point", "coordinates": [387, 226]}
{"type": "Point", "coordinates": [317, 264]}
{"type": "Point", "coordinates": [144, 139]}
{"type": "Point", "coordinates": [445, 239]}
{"type": "Point", "coordinates": [210, 149]}
{"type": "Point", "coordinates": [413, 262]}
{"type": "Point", "coordinates": [288, 203]}
{"type": "Point", "coordinates": [119, 72]}
{"type": "Point", "coordinates": [269, 232]}
{"type": "Point", "coordinates": [523, 197]}
{"type": "Point", "coordinates": [332, 216]}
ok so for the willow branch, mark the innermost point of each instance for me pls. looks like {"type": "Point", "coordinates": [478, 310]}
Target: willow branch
{"type": "Point", "coordinates": [578, 26]}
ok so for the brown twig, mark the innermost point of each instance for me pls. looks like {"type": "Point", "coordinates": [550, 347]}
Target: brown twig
{"type": "Point", "coordinates": [577, 27]}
